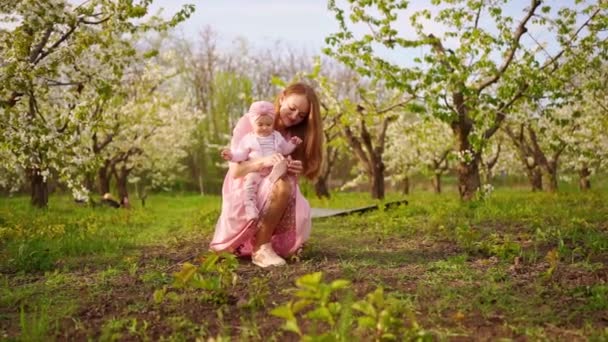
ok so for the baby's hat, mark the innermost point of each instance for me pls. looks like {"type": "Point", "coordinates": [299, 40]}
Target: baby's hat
{"type": "Point", "coordinates": [258, 109]}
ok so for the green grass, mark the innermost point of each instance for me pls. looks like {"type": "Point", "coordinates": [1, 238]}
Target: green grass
{"type": "Point", "coordinates": [38, 240]}
{"type": "Point", "coordinates": [515, 265]}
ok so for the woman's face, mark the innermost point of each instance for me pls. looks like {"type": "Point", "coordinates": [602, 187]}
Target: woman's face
{"type": "Point", "coordinates": [293, 109]}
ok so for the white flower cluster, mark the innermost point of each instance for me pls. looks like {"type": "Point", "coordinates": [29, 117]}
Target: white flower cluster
{"type": "Point", "coordinates": [465, 156]}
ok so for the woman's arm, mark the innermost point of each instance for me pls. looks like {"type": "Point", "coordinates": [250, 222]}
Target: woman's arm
{"type": "Point", "coordinates": [243, 168]}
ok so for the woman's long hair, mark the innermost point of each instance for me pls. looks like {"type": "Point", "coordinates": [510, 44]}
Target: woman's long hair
{"type": "Point", "coordinates": [310, 130]}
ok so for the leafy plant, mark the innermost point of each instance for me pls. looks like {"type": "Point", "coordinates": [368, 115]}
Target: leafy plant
{"type": "Point", "coordinates": [215, 276]}
{"type": "Point", "coordinates": [375, 317]}
{"type": "Point", "coordinates": [313, 302]}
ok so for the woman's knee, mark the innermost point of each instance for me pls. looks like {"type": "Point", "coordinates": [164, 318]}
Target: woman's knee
{"type": "Point", "coordinates": [282, 189]}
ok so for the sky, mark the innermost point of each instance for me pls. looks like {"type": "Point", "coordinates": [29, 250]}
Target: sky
{"type": "Point", "coordinates": [301, 23]}
{"type": "Point", "coordinates": [304, 24]}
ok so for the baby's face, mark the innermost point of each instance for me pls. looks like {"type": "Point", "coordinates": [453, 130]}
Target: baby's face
{"type": "Point", "coordinates": [263, 126]}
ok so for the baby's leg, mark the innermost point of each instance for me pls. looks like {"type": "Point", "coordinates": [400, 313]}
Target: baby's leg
{"type": "Point", "coordinates": [278, 170]}
{"type": "Point", "coordinates": [252, 181]}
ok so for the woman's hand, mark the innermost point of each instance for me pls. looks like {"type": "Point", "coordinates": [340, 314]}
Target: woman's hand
{"type": "Point", "coordinates": [270, 161]}
{"type": "Point", "coordinates": [294, 166]}
{"type": "Point", "coordinates": [255, 165]}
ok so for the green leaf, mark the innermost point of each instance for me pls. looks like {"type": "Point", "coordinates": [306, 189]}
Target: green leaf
{"type": "Point", "coordinates": [159, 295]}
{"type": "Point", "coordinates": [321, 314]}
{"type": "Point", "coordinates": [365, 307]}
{"type": "Point", "coordinates": [209, 262]}
{"type": "Point", "coordinates": [311, 280]}
{"type": "Point", "coordinates": [377, 297]}
{"type": "Point", "coordinates": [283, 311]}
{"type": "Point", "coordinates": [277, 81]}
{"type": "Point", "coordinates": [151, 53]}
{"type": "Point", "coordinates": [300, 305]}
{"type": "Point", "coordinates": [292, 325]}
{"type": "Point", "coordinates": [339, 284]}
{"type": "Point", "coordinates": [185, 274]}
{"type": "Point", "coordinates": [334, 308]}
{"type": "Point", "coordinates": [366, 322]}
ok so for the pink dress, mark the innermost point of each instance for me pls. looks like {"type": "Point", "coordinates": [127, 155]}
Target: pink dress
{"type": "Point", "coordinates": [234, 233]}
{"type": "Point", "coordinates": [249, 147]}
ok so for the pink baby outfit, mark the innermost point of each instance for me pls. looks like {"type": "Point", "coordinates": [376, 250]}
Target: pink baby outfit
{"type": "Point", "coordinates": [260, 108]}
{"type": "Point", "coordinates": [235, 233]}
{"type": "Point", "coordinates": [250, 147]}
{"type": "Point", "coordinates": [254, 146]}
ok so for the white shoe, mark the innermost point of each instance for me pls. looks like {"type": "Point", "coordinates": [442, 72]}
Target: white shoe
{"type": "Point", "coordinates": [266, 256]}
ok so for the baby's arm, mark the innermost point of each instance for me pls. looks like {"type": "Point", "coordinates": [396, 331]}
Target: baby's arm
{"type": "Point", "coordinates": [287, 146]}
{"type": "Point", "coordinates": [235, 156]}
{"type": "Point", "coordinates": [241, 153]}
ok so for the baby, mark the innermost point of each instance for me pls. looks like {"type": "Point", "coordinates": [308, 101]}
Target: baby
{"type": "Point", "coordinates": [263, 141]}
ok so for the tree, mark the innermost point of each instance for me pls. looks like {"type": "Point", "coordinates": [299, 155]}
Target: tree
{"type": "Point", "coordinates": [420, 145]}
{"type": "Point", "coordinates": [336, 88]}
{"type": "Point", "coordinates": [472, 73]}
{"type": "Point", "coordinates": [365, 128]}
{"type": "Point", "coordinates": [490, 157]}
{"type": "Point", "coordinates": [589, 152]}
{"type": "Point", "coordinates": [52, 65]}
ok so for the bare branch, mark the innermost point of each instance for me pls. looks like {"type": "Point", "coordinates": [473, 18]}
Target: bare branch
{"type": "Point", "coordinates": [41, 44]}
{"type": "Point", "coordinates": [57, 43]}
{"type": "Point", "coordinates": [89, 22]}
{"type": "Point", "coordinates": [478, 15]}
{"type": "Point", "coordinates": [355, 143]}
{"type": "Point", "coordinates": [366, 138]}
{"type": "Point", "coordinates": [382, 136]}
{"type": "Point", "coordinates": [539, 44]}
{"type": "Point", "coordinates": [569, 43]}
{"type": "Point", "coordinates": [500, 117]}
{"type": "Point", "coordinates": [494, 159]}
{"type": "Point", "coordinates": [439, 50]}
{"type": "Point", "coordinates": [519, 31]}
{"type": "Point", "coordinates": [389, 108]}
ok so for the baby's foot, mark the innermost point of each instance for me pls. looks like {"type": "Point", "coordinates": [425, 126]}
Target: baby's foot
{"type": "Point", "coordinates": [278, 170]}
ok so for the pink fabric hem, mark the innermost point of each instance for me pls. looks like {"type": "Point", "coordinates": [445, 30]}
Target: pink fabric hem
{"type": "Point", "coordinates": [235, 234]}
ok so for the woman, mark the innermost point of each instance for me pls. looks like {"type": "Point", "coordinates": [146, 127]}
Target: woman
{"type": "Point", "coordinates": [284, 222]}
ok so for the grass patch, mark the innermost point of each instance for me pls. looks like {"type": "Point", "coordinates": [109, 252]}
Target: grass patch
{"type": "Point", "coordinates": [516, 265]}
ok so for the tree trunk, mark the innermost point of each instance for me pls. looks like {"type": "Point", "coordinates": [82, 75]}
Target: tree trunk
{"type": "Point", "coordinates": [584, 183]}
{"type": "Point", "coordinates": [378, 179]}
{"type": "Point", "coordinates": [321, 188]}
{"type": "Point", "coordinates": [142, 193]}
{"type": "Point", "coordinates": [437, 183]}
{"type": "Point", "coordinates": [469, 180]}
{"type": "Point", "coordinates": [197, 172]}
{"type": "Point", "coordinates": [121, 184]}
{"type": "Point", "coordinates": [39, 189]}
{"type": "Point", "coordinates": [104, 177]}
{"type": "Point", "coordinates": [488, 175]}
{"type": "Point", "coordinates": [550, 178]}
{"type": "Point", "coordinates": [329, 157]}
{"type": "Point", "coordinates": [536, 178]}
{"type": "Point", "coordinates": [201, 185]}
{"type": "Point", "coordinates": [406, 185]}
{"type": "Point", "coordinates": [89, 182]}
